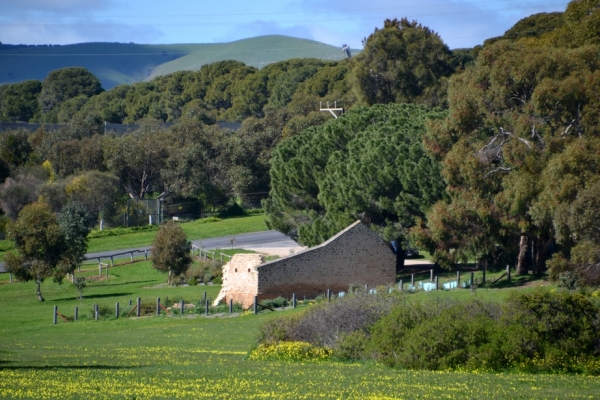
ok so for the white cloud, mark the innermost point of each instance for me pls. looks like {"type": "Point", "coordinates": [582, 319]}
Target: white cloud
{"type": "Point", "coordinates": [33, 31]}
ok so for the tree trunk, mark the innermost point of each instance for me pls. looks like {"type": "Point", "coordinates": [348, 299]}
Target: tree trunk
{"type": "Point", "coordinates": [540, 251]}
{"type": "Point", "coordinates": [39, 291]}
{"type": "Point", "coordinates": [522, 259]}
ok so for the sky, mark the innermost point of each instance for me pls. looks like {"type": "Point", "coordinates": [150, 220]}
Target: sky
{"type": "Point", "coordinates": [460, 23]}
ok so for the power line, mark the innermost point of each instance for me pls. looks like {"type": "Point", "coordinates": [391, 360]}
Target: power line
{"type": "Point", "coordinates": [221, 23]}
{"type": "Point", "coordinates": [312, 12]}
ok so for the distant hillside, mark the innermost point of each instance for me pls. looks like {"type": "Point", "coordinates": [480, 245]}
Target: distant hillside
{"type": "Point", "coordinates": [258, 52]}
{"type": "Point", "coordinates": [120, 63]}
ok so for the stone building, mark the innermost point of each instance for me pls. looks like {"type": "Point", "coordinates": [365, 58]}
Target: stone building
{"type": "Point", "coordinates": [354, 255]}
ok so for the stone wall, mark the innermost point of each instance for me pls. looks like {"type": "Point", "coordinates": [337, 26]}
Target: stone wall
{"type": "Point", "coordinates": [240, 279]}
{"type": "Point", "coordinates": [355, 255]}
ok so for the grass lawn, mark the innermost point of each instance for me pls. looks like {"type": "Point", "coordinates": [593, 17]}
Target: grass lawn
{"type": "Point", "coordinates": [198, 357]}
{"type": "Point", "coordinates": [194, 230]}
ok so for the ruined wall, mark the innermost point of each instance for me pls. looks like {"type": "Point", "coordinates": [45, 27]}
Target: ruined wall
{"type": "Point", "coordinates": [355, 255]}
{"type": "Point", "coordinates": [240, 279]}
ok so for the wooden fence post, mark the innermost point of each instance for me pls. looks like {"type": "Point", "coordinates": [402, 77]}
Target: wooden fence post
{"type": "Point", "coordinates": [472, 279]}
{"type": "Point", "coordinates": [401, 285]}
{"type": "Point", "coordinates": [294, 302]}
{"type": "Point", "coordinates": [328, 295]}
{"type": "Point", "coordinates": [255, 305]}
{"type": "Point", "coordinates": [96, 312]}
{"type": "Point", "coordinates": [431, 275]}
{"type": "Point", "coordinates": [117, 310]}
{"type": "Point", "coordinates": [54, 315]}
{"type": "Point", "coordinates": [132, 256]}
{"type": "Point", "coordinates": [158, 306]}
{"type": "Point", "coordinates": [204, 295]}
{"type": "Point", "coordinates": [412, 280]}
{"type": "Point", "coordinates": [230, 306]}
{"type": "Point", "coordinates": [182, 309]}
{"type": "Point", "coordinates": [112, 261]}
{"type": "Point", "coordinates": [436, 283]}
{"type": "Point", "coordinates": [457, 279]}
{"type": "Point", "coordinates": [139, 306]}
{"type": "Point", "coordinates": [106, 271]}
{"type": "Point", "coordinates": [99, 269]}
{"type": "Point", "coordinates": [76, 313]}
{"type": "Point", "coordinates": [129, 302]}
{"type": "Point", "coordinates": [206, 307]}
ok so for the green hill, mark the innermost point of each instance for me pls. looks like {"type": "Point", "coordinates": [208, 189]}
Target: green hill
{"type": "Point", "coordinates": [258, 52]}
{"type": "Point", "coordinates": [120, 63]}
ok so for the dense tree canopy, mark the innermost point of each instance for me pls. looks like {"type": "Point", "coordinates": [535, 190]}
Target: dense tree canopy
{"type": "Point", "coordinates": [518, 114]}
{"type": "Point", "coordinates": [65, 84]}
{"type": "Point", "coordinates": [368, 165]}
{"type": "Point", "coordinates": [46, 247]}
{"type": "Point", "coordinates": [171, 251]}
{"type": "Point", "coordinates": [404, 62]}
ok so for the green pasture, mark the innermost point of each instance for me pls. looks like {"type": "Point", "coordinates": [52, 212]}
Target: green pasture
{"type": "Point", "coordinates": [194, 230]}
{"type": "Point", "coordinates": [192, 356]}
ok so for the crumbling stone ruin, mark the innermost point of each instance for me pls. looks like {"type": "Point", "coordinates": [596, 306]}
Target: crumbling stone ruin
{"type": "Point", "coordinates": [354, 255]}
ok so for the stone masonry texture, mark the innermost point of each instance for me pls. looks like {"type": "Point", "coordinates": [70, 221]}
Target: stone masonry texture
{"type": "Point", "coordinates": [354, 255]}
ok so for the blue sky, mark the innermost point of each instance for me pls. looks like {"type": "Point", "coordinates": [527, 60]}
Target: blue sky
{"type": "Point", "coordinates": [461, 23]}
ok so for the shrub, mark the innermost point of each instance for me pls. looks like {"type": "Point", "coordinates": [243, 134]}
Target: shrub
{"type": "Point", "coordinates": [323, 323]}
{"type": "Point", "coordinates": [80, 284]}
{"type": "Point", "coordinates": [233, 210]}
{"type": "Point", "coordinates": [103, 311]}
{"type": "Point", "coordinates": [424, 336]}
{"type": "Point", "coordinates": [192, 281]}
{"type": "Point", "coordinates": [121, 231]}
{"type": "Point", "coordinates": [352, 346]}
{"type": "Point", "coordinates": [208, 220]}
{"type": "Point", "coordinates": [290, 351]}
{"type": "Point", "coordinates": [537, 331]}
{"type": "Point", "coordinates": [275, 303]}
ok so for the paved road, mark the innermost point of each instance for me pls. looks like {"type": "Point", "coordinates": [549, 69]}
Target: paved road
{"type": "Point", "coordinates": [266, 238]}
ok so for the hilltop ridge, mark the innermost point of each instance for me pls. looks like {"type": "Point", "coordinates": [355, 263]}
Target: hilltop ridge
{"type": "Point", "coordinates": [125, 63]}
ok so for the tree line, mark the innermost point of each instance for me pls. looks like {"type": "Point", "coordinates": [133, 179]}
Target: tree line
{"type": "Point", "coordinates": [507, 175]}
{"type": "Point", "coordinates": [487, 153]}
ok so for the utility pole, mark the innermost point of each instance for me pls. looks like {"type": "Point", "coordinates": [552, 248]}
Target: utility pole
{"type": "Point", "coordinates": [333, 110]}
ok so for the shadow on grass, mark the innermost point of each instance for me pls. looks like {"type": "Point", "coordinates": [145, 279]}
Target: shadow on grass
{"type": "Point", "coordinates": [50, 367]}
{"type": "Point", "coordinates": [518, 281]}
{"type": "Point", "coordinates": [104, 284]}
{"type": "Point", "coordinates": [94, 296]}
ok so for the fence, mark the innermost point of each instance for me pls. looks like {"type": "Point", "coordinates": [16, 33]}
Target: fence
{"type": "Point", "coordinates": [203, 306]}
{"type": "Point", "coordinates": [206, 255]}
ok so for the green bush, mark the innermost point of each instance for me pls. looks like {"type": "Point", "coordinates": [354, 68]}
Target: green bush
{"type": "Point", "coordinates": [6, 245]}
{"type": "Point", "coordinates": [208, 220]}
{"type": "Point", "coordinates": [352, 346]}
{"type": "Point", "coordinates": [121, 231]}
{"type": "Point", "coordinates": [539, 331]}
{"type": "Point", "coordinates": [103, 311]}
{"type": "Point", "coordinates": [275, 303]}
{"type": "Point", "coordinates": [233, 210]}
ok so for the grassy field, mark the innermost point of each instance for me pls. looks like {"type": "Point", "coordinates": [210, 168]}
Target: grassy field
{"type": "Point", "coordinates": [198, 357]}
{"type": "Point", "coordinates": [194, 230]}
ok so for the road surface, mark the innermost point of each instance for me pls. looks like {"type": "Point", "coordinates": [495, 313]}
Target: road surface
{"type": "Point", "coordinates": [254, 241]}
